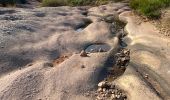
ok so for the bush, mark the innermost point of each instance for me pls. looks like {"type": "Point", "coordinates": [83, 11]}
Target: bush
{"type": "Point", "coordinates": [54, 3]}
{"type": "Point", "coordinates": [149, 8]}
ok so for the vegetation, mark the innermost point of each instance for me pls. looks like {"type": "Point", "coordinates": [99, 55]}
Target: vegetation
{"type": "Point", "coordinates": [149, 8]}
{"type": "Point", "coordinates": [75, 2]}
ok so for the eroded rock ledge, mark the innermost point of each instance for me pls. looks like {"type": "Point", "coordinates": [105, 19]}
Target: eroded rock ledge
{"type": "Point", "coordinates": [40, 54]}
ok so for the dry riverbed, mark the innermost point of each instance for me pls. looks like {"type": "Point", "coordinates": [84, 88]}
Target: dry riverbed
{"type": "Point", "coordinates": [81, 53]}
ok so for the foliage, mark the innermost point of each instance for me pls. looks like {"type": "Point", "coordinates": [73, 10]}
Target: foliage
{"type": "Point", "coordinates": [74, 2]}
{"type": "Point", "coordinates": [149, 8]}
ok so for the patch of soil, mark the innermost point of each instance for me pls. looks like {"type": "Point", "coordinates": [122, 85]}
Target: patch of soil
{"type": "Point", "coordinates": [61, 59]}
{"type": "Point", "coordinates": [164, 23]}
{"type": "Point", "coordinates": [106, 88]}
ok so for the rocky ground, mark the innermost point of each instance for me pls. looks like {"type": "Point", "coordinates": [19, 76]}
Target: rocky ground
{"type": "Point", "coordinates": [164, 23]}
{"type": "Point", "coordinates": [81, 53]}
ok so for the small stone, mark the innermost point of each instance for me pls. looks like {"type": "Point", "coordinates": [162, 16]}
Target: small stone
{"type": "Point", "coordinates": [104, 89]}
{"type": "Point", "coordinates": [83, 53]}
{"type": "Point", "coordinates": [99, 98]}
{"type": "Point", "coordinates": [102, 84]}
{"type": "Point", "coordinates": [118, 96]}
{"type": "Point", "coordinates": [146, 75]}
{"type": "Point", "coordinates": [113, 96]}
{"type": "Point", "coordinates": [100, 90]}
{"type": "Point", "coordinates": [126, 52]}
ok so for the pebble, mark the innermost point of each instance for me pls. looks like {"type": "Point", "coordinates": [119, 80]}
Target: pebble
{"type": "Point", "coordinates": [100, 90]}
{"type": "Point", "coordinates": [113, 96]}
{"type": "Point", "coordinates": [146, 75]}
{"type": "Point", "coordinates": [118, 96]}
{"type": "Point", "coordinates": [83, 53]}
{"type": "Point", "coordinates": [104, 89]}
{"type": "Point", "coordinates": [102, 84]}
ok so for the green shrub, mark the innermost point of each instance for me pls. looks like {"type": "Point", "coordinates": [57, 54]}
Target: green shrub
{"type": "Point", "coordinates": [149, 8]}
{"type": "Point", "coordinates": [53, 3]}
{"type": "Point", "coordinates": [74, 2]}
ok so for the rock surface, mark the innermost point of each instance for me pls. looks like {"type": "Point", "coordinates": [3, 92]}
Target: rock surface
{"type": "Point", "coordinates": [34, 42]}
{"type": "Point", "coordinates": [149, 66]}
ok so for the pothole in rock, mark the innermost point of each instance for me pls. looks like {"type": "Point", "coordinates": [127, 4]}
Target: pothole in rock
{"type": "Point", "coordinates": [82, 26]}
{"type": "Point", "coordinates": [98, 48]}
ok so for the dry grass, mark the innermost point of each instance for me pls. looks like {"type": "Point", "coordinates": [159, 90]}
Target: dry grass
{"type": "Point", "coordinates": [54, 3]}
{"type": "Point", "coordinates": [149, 8]}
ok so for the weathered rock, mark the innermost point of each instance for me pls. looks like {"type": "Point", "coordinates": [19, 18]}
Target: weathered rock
{"type": "Point", "coordinates": [99, 90]}
{"type": "Point", "coordinates": [146, 76]}
{"type": "Point", "coordinates": [102, 84]}
{"type": "Point", "coordinates": [83, 53]}
{"type": "Point", "coordinates": [113, 96]}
